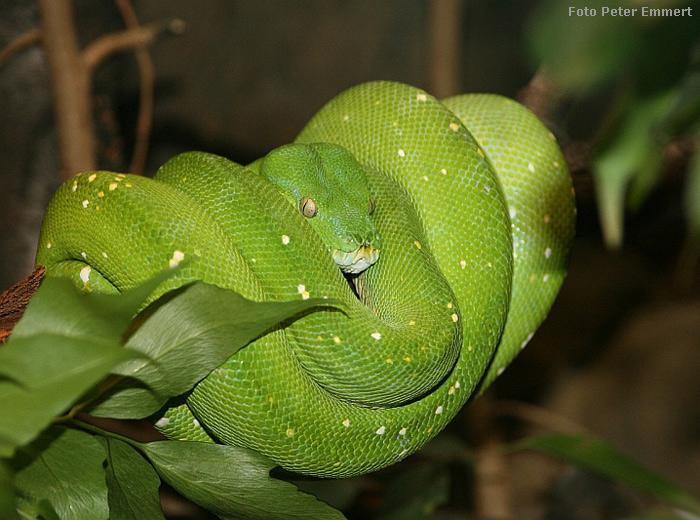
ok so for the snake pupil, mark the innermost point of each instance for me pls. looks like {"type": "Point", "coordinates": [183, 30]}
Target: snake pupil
{"type": "Point", "coordinates": [371, 205]}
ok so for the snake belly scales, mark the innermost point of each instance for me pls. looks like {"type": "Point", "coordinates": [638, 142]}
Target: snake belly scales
{"type": "Point", "coordinates": [473, 208]}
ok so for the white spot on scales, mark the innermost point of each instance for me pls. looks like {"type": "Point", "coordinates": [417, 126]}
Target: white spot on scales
{"type": "Point", "coordinates": [178, 256]}
{"type": "Point", "coordinates": [85, 274]}
{"type": "Point", "coordinates": [301, 288]}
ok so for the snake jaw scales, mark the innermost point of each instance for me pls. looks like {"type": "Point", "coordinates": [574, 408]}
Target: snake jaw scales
{"type": "Point", "coordinates": [357, 261]}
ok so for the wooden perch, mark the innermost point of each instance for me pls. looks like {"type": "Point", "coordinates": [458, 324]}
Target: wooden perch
{"type": "Point", "coordinates": [14, 300]}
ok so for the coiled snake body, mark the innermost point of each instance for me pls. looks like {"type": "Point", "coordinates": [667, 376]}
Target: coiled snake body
{"type": "Point", "coordinates": [471, 229]}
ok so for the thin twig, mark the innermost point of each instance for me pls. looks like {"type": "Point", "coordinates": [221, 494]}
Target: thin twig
{"type": "Point", "coordinates": [136, 37]}
{"type": "Point", "coordinates": [71, 88]}
{"type": "Point", "coordinates": [17, 45]}
{"type": "Point", "coordinates": [146, 75]}
{"type": "Point", "coordinates": [539, 416]}
{"type": "Point", "coordinates": [104, 46]}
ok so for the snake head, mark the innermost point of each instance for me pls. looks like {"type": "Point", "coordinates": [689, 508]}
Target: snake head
{"type": "Point", "coordinates": [330, 189]}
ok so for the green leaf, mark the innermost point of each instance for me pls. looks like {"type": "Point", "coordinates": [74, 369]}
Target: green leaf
{"type": "Point", "coordinates": [186, 338]}
{"type": "Point", "coordinates": [132, 483]}
{"type": "Point", "coordinates": [59, 308]}
{"type": "Point", "coordinates": [41, 510]}
{"type": "Point", "coordinates": [65, 343]}
{"type": "Point", "coordinates": [233, 482]}
{"type": "Point", "coordinates": [661, 516]}
{"type": "Point", "coordinates": [597, 455]}
{"type": "Point", "coordinates": [581, 52]}
{"type": "Point", "coordinates": [49, 374]}
{"type": "Point", "coordinates": [692, 193]}
{"type": "Point", "coordinates": [7, 494]}
{"type": "Point", "coordinates": [684, 114]}
{"type": "Point", "coordinates": [631, 156]}
{"type": "Point", "coordinates": [65, 468]}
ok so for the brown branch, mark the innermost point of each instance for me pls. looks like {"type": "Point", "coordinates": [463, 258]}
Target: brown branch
{"type": "Point", "coordinates": [541, 95]}
{"type": "Point", "coordinates": [14, 300]}
{"type": "Point", "coordinates": [17, 45]}
{"type": "Point", "coordinates": [538, 416]}
{"type": "Point", "coordinates": [136, 38]}
{"type": "Point", "coordinates": [444, 26]}
{"type": "Point", "coordinates": [147, 78]}
{"type": "Point", "coordinates": [104, 46]}
{"type": "Point", "coordinates": [71, 88]}
{"type": "Point", "coordinates": [493, 488]}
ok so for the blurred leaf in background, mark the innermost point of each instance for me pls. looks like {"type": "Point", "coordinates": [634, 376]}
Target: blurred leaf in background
{"type": "Point", "coordinates": [650, 67]}
{"type": "Point", "coordinates": [599, 456]}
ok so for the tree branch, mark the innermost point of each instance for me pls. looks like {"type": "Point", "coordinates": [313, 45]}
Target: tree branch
{"type": "Point", "coordinates": [71, 88]}
{"type": "Point", "coordinates": [17, 45]}
{"type": "Point", "coordinates": [444, 26]}
{"type": "Point", "coordinates": [147, 78]}
{"type": "Point", "coordinates": [104, 46]}
{"type": "Point", "coordinates": [136, 38]}
{"type": "Point", "coordinates": [14, 300]}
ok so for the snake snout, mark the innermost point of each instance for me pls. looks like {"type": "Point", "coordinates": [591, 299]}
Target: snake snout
{"type": "Point", "coordinates": [357, 260]}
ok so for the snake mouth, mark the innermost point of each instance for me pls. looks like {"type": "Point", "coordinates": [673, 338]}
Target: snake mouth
{"type": "Point", "coordinates": [354, 262]}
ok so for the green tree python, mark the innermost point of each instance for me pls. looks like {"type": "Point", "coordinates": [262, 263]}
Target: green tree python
{"type": "Point", "coordinates": [450, 222]}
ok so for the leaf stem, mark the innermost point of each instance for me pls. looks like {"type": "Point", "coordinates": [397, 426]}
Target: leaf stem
{"type": "Point", "coordinates": [106, 433]}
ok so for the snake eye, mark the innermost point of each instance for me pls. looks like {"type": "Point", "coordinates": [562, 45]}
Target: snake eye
{"type": "Point", "coordinates": [371, 205]}
{"type": "Point", "coordinates": [308, 207]}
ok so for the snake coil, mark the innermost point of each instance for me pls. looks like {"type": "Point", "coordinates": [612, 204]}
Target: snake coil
{"type": "Point", "coordinates": [475, 209]}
